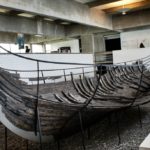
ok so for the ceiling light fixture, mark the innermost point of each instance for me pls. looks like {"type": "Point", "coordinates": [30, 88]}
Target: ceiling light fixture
{"type": "Point", "coordinates": [26, 15]}
{"type": "Point", "coordinates": [124, 9]}
{"type": "Point", "coordinates": [3, 10]}
{"type": "Point", "coordinates": [65, 23]}
{"type": "Point", "coordinates": [38, 35]}
{"type": "Point", "coordinates": [49, 19]}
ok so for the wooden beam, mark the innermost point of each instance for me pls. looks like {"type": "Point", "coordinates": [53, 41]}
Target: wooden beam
{"type": "Point", "coordinates": [101, 2]}
{"type": "Point", "coordinates": [133, 6]}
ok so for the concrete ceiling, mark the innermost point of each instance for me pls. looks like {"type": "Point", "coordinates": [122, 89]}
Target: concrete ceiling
{"type": "Point", "coordinates": [44, 19]}
{"type": "Point", "coordinates": [84, 17]}
{"type": "Point", "coordinates": [113, 7]}
{"type": "Point", "coordinates": [48, 10]}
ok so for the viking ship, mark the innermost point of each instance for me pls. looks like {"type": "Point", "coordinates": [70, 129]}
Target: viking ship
{"type": "Point", "coordinates": [46, 111]}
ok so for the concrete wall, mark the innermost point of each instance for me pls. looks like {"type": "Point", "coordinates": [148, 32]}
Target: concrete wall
{"type": "Point", "coordinates": [130, 54]}
{"type": "Point", "coordinates": [74, 44]}
{"type": "Point", "coordinates": [16, 63]}
{"type": "Point", "coordinates": [132, 39]}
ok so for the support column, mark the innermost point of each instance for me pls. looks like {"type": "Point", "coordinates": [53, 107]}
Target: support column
{"type": "Point", "coordinates": [87, 42]}
{"type": "Point", "coordinates": [92, 43]}
{"type": "Point", "coordinates": [31, 48]}
{"type": "Point", "coordinates": [6, 134]}
{"type": "Point", "coordinates": [44, 47]}
{"type": "Point", "coordinates": [99, 43]}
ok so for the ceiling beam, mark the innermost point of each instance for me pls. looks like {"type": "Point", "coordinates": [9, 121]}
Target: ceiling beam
{"type": "Point", "coordinates": [139, 19]}
{"type": "Point", "coordinates": [133, 6]}
{"type": "Point", "coordinates": [67, 10]}
{"type": "Point", "coordinates": [78, 30]}
{"type": "Point", "coordinates": [15, 24]}
{"type": "Point", "coordinates": [101, 2]}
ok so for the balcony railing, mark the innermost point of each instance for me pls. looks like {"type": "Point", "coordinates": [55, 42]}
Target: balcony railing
{"type": "Point", "coordinates": [103, 57]}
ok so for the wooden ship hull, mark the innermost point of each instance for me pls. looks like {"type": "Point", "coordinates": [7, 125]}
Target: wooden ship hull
{"type": "Point", "coordinates": [53, 110]}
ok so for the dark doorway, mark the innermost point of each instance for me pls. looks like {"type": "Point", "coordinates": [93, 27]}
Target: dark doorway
{"type": "Point", "coordinates": [113, 44]}
{"type": "Point", "coordinates": [80, 45]}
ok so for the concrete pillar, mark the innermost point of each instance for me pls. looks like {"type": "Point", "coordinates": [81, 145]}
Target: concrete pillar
{"type": "Point", "coordinates": [99, 43]}
{"type": "Point", "coordinates": [39, 27]}
{"type": "Point", "coordinates": [44, 48]}
{"type": "Point", "coordinates": [87, 43]}
{"type": "Point", "coordinates": [31, 47]}
{"type": "Point", "coordinates": [99, 48]}
{"type": "Point", "coordinates": [92, 43]}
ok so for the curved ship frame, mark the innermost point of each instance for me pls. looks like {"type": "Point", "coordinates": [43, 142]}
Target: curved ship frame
{"type": "Point", "coordinates": [42, 112]}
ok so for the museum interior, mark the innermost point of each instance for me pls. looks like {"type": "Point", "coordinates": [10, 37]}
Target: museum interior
{"type": "Point", "coordinates": [74, 75]}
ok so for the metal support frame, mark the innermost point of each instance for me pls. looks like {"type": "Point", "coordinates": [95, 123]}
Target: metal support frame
{"type": "Point", "coordinates": [43, 77]}
{"type": "Point", "coordinates": [83, 72]}
{"type": "Point", "coordinates": [140, 116]}
{"type": "Point", "coordinates": [82, 130]}
{"type": "Point", "coordinates": [6, 133]}
{"type": "Point", "coordinates": [37, 124]}
{"type": "Point", "coordinates": [109, 119]}
{"type": "Point", "coordinates": [58, 144]}
{"type": "Point", "coordinates": [118, 128]}
{"type": "Point", "coordinates": [89, 133]}
{"type": "Point", "coordinates": [27, 145]}
{"type": "Point", "coordinates": [64, 75]}
{"type": "Point", "coordinates": [40, 131]}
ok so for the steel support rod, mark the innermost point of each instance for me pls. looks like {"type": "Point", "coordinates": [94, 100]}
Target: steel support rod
{"type": "Point", "coordinates": [118, 128]}
{"type": "Point", "coordinates": [40, 131]}
{"type": "Point", "coordinates": [58, 145]}
{"type": "Point", "coordinates": [140, 116]}
{"type": "Point", "coordinates": [6, 138]}
{"type": "Point", "coordinates": [37, 115]}
{"type": "Point", "coordinates": [89, 133]}
{"type": "Point", "coordinates": [82, 130]}
{"type": "Point", "coordinates": [83, 72]}
{"type": "Point", "coordinates": [43, 76]}
{"type": "Point", "coordinates": [65, 75]}
{"type": "Point", "coordinates": [27, 145]}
